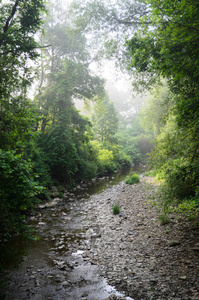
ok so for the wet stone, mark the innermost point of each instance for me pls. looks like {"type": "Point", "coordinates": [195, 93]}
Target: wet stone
{"type": "Point", "coordinates": [135, 254]}
{"type": "Point", "coordinates": [65, 283]}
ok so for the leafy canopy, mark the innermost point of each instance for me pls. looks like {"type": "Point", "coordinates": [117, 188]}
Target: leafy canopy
{"type": "Point", "coordinates": [168, 48]}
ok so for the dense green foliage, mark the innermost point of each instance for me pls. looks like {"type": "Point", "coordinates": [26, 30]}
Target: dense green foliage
{"type": "Point", "coordinates": [105, 120]}
{"type": "Point", "coordinates": [18, 187]}
{"type": "Point", "coordinates": [108, 23]}
{"type": "Point", "coordinates": [134, 178]}
{"type": "Point", "coordinates": [169, 48]}
{"type": "Point", "coordinates": [20, 20]}
{"type": "Point", "coordinates": [46, 141]}
{"type": "Point", "coordinates": [110, 154]}
{"type": "Point", "coordinates": [66, 137]}
{"type": "Point", "coordinates": [161, 40]}
{"type": "Point", "coordinates": [134, 140]}
{"type": "Point", "coordinates": [116, 209]}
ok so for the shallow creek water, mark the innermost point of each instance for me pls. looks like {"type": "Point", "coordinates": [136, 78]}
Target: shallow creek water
{"type": "Point", "coordinates": [54, 267]}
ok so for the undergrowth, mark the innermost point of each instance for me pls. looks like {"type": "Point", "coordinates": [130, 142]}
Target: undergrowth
{"type": "Point", "coordinates": [116, 209]}
{"type": "Point", "coordinates": [167, 204]}
{"type": "Point", "coordinates": [134, 178]}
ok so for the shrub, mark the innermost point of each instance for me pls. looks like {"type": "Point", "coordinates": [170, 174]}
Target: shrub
{"type": "Point", "coordinates": [116, 209]}
{"type": "Point", "coordinates": [105, 161]}
{"type": "Point", "coordinates": [18, 191]}
{"type": "Point", "coordinates": [164, 219]}
{"type": "Point", "coordinates": [190, 208]}
{"type": "Point", "coordinates": [133, 179]}
{"type": "Point", "coordinates": [60, 195]}
{"type": "Point", "coordinates": [123, 159]}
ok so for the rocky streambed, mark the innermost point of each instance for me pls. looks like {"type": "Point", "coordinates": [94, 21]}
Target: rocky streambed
{"type": "Point", "coordinates": [87, 253]}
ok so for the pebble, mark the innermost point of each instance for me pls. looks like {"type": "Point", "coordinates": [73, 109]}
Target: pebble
{"type": "Point", "coordinates": [65, 283]}
{"type": "Point", "coordinates": [154, 254]}
{"type": "Point", "coordinates": [174, 243]}
{"type": "Point", "coordinates": [136, 255]}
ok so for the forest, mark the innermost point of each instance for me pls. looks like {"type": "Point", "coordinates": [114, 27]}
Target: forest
{"type": "Point", "coordinates": [52, 57]}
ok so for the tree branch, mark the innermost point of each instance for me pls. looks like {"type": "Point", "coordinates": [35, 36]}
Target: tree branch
{"type": "Point", "coordinates": [11, 16]}
{"type": "Point", "coordinates": [128, 22]}
{"type": "Point", "coordinates": [14, 9]}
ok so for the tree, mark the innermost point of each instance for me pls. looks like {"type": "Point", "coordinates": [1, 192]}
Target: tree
{"type": "Point", "coordinates": [169, 49]}
{"type": "Point", "coordinates": [175, 158]}
{"type": "Point", "coordinates": [19, 21]}
{"type": "Point", "coordinates": [65, 134]}
{"type": "Point", "coordinates": [154, 113]}
{"type": "Point", "coordinates": [63, 40]}
{"type": "Point", "coordinates": [105, 120]}
{"type": "Point", "coordinates": [73, 81]}
{"type": "Point", "coordinates": [108, 23]}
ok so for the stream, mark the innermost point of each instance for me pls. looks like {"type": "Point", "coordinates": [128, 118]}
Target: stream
{"type": "Point", "coordinates": [54, 266]}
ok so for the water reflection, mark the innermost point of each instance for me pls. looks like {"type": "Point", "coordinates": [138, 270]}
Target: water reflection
{"type": "Point", "coordinates": [101, 184]}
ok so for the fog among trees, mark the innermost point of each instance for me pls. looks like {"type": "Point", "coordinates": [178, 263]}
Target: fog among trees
{"type": "Point", "coordinates": [58, 51]}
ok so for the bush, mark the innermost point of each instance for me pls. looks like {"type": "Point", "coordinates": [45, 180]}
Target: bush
{"type": "Point", "coordinates": [106, 161]}
{"type": "Point", "coordinates": [116, 209]}
{"type": "Point", "coordinates": [164, 219]}
{"type": "Point", "coordinates": [60, 195]}
{"type": "Point", "coordinates": [190, 208]}
{"type": "Point", "coordinates": [122, 159]}
{"type": "Point", "coordinates": [133, 179]}
{"type": "Point", "coordinates": [18, 191]}
{"type": "Point", "coordinates": [60, 153]}
{"type": "Point", "coordinates": [87, 165]}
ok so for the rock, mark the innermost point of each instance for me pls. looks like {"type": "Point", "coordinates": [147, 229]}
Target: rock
{"type": "Point", "coordinates": [65, 283]}
{"type": "Point", "coordinates": [53, 202]}
{"type": "Point", "coordinates": [174, 243]}
{"type": "Point", "coordinates": [183, 277]}
{"type": "Point", "coordinates": [89, 232]}
{"type": "Point", "coordinates": [42, 206]}
{"type": "Point", "coordinates": [33, 218]}
{"type": "Point", "coordinates": [84, 185]}
{"type": "Point", "coordinates": [41, 223]}
{"type": "Point", "coordinates": [112, 297]}
{"type": "Point", "coordinates": [135, 254]}
{"type": "Point", "coordinates": [61, 247]}
{"type": "Point", "coordinates": [152, 265]}
{"type": "Point", "coordinates": [54, 192]}
{"type": "Point", "coordinates": [195, 249]}
{"type": "Point", "coordinates": [153, 280]}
